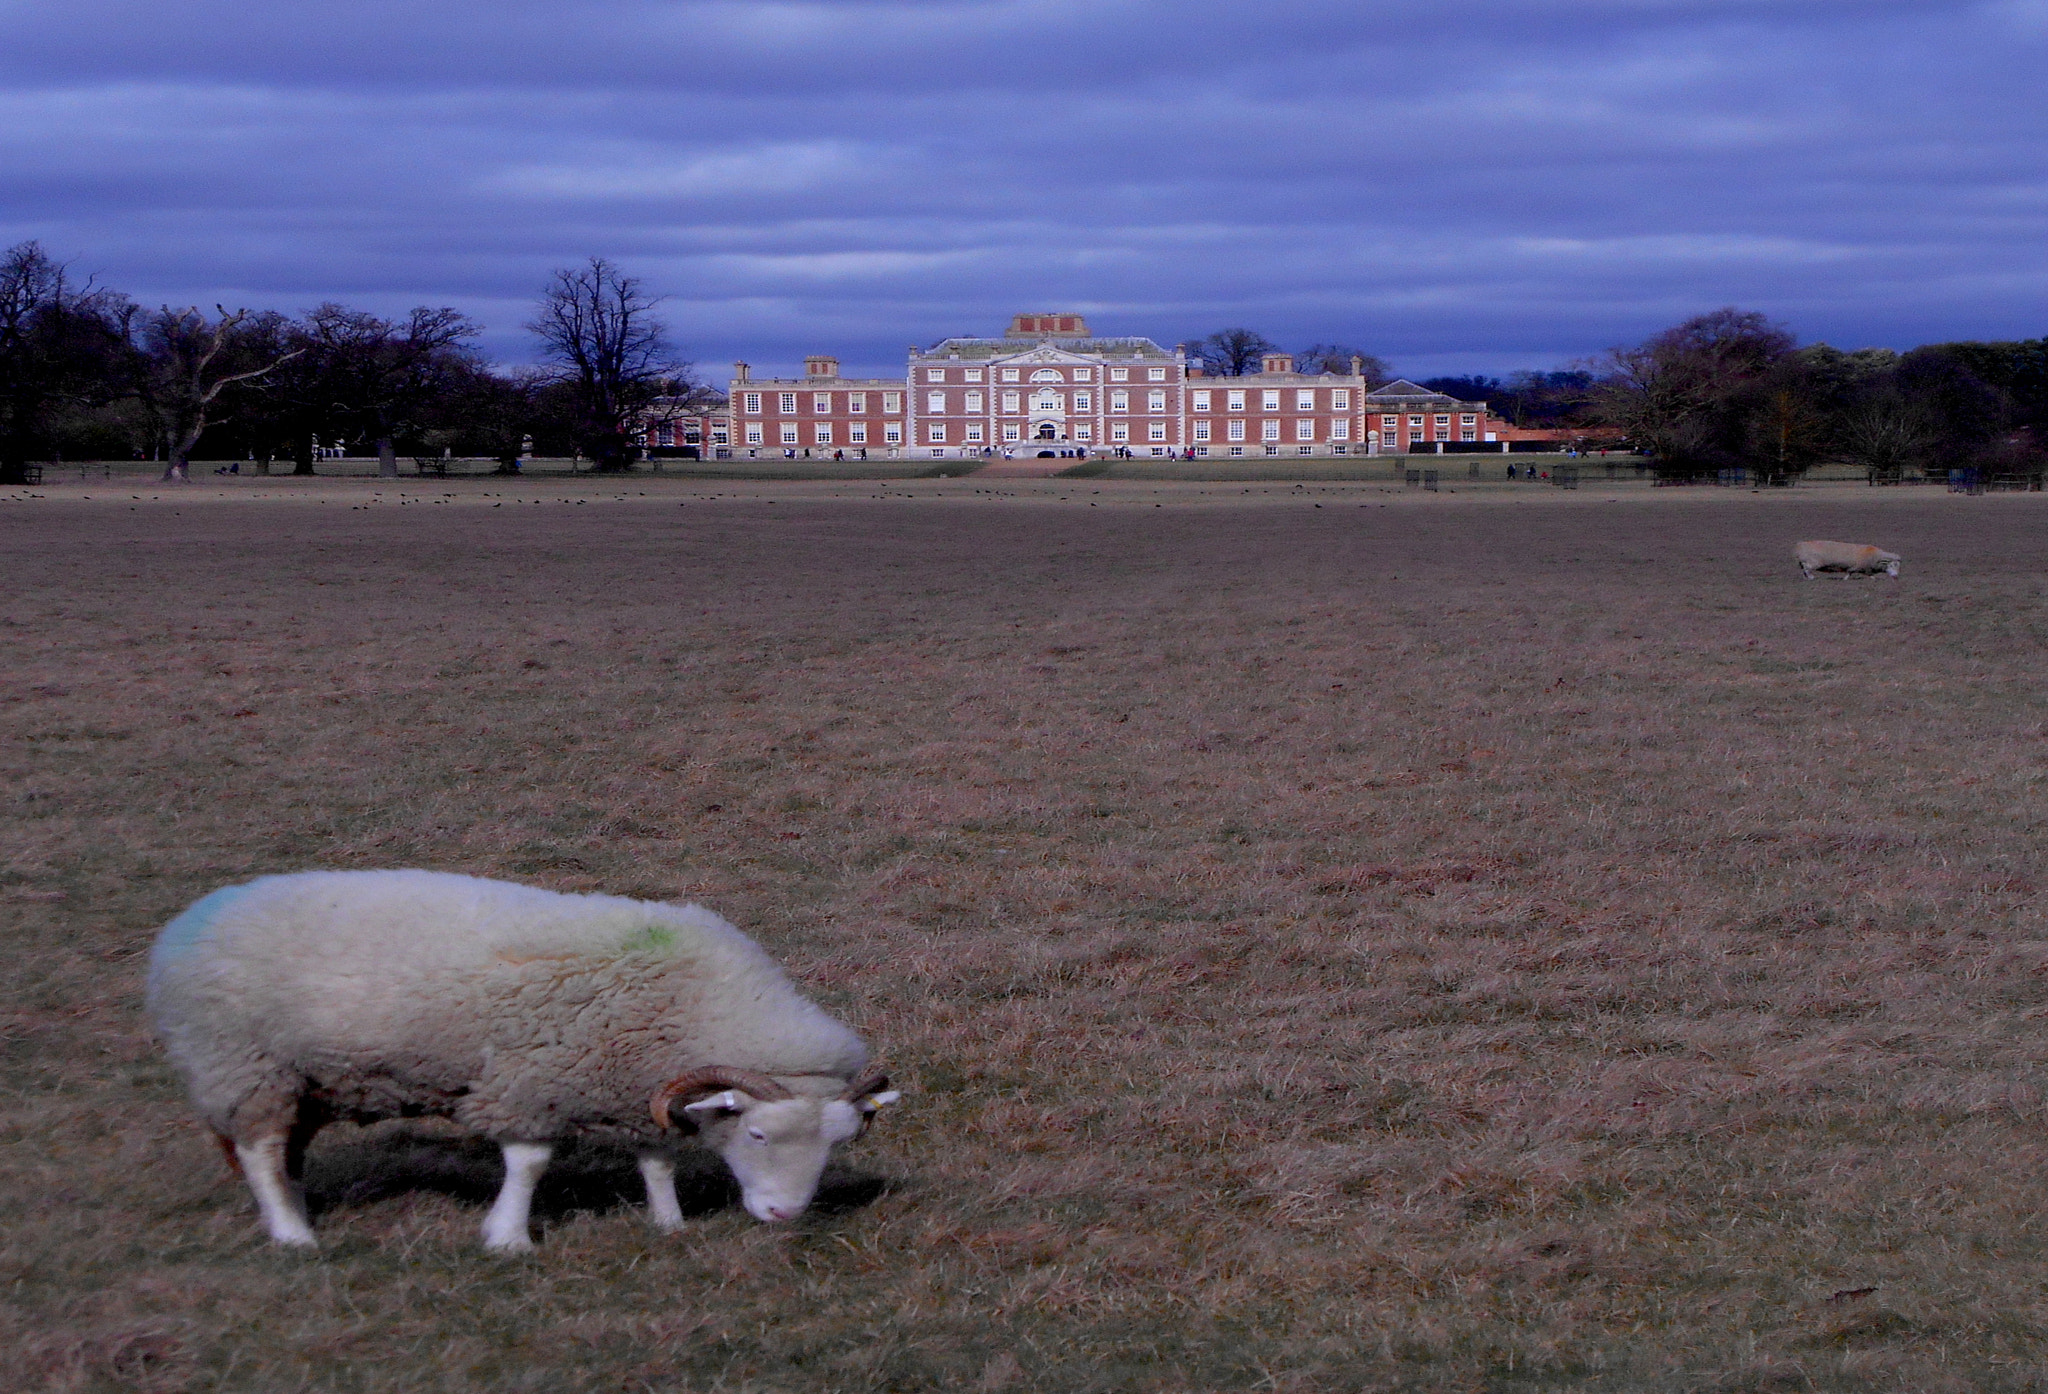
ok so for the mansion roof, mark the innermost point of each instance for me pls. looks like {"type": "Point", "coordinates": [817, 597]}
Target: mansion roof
{"type": "Point", "coordinates": [965, 348]}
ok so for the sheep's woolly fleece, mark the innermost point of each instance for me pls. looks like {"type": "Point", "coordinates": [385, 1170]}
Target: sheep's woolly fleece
{"type": "Point", "coordinates": [1854, 558]}
{"type": "Point", "coordinates": [517, 1012]}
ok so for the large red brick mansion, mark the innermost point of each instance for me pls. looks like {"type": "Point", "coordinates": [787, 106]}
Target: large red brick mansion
{"type": "Point", "coordinates": [1047, 386]}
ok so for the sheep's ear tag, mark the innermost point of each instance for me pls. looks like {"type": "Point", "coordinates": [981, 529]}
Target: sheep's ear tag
{"type": "Point", "coordinates": [871, 1104]}
{"type": "Point", "coordinates": [728, 1102]}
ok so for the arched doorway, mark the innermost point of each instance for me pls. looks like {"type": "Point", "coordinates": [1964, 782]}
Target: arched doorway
{"type": "Point", "coordinates": [1048, 431]}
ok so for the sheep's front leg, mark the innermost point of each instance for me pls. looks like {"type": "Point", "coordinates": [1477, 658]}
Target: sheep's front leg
{"type": "Point", "coordinates": [277, 1195]}
{"type": "Point", "coordinates": [663, 1210]}
{"type": "Point", "coordinates": [505, 1227]}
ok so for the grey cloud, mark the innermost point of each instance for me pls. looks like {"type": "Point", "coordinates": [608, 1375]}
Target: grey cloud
{"type": "Point", "coordinates": [1479, 184]}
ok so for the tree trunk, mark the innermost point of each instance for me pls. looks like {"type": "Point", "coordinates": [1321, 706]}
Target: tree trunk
{"type": "Point", "coordinates": [263, 463]}
{"type": "Point", "coordinates": [387, 459]}
{"type": "Point", "coordinates": [302, 455]}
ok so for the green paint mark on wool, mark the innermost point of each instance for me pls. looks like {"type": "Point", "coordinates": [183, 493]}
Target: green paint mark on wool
{"type": "Point", "coordinates": [650, 939]}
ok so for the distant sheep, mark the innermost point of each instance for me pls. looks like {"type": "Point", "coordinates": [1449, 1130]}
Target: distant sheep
{"type": "Point", "coordinates": [1851, 558]}
{"type": "Point", "coordinates": [528, 1016]}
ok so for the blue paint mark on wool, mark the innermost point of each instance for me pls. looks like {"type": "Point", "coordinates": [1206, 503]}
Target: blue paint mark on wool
{"type": "Point", "coordinates": [185, 933]}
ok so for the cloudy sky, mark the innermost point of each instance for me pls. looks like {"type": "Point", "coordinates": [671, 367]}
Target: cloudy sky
{"type": "Point", "coordinates": [1454, 186]}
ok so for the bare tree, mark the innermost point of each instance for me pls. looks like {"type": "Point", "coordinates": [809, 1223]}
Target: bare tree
{"type": "Point", "coordinates": [1687, 395]}
{"type": "Point", "coordinates": [183, 363]}
{"type": "Point", "coordinates": [378, 380]}
{"type": "Point", "coordinates": [1342, 358]}
{"type": "Point", "coordinates": [611, 360]}
{"type": "Point", "coordinates": [1232, 353]}
{"type": "Point", "coordinates": [59, 351]}
{"type": "Point", "coordinates": [1888, 433]}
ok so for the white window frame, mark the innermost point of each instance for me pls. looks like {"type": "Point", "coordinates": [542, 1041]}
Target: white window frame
{"type": "Point", "coordinates": [1120, 431]}
{"type": "Point", "coordinates": [935, 375]}
{"type": "Point", "coordinates": [892, 434]}
{"type": "Point", "coordinates": [821, 404]}
{"type": "Point", "coordinates": [1119, 374]}
{"type": "Point", "coordinates": [1013, 402]}
{"type": "Point", "coordinates": [1199, 401]}
{"type": "Point", "coordinates": [751, 403]}
{"type": "Point", "coordinates": [754, 433]}
{"type": "Point", "coordinates": [1269, 430]}
{"type": "Point", "coordinates": [821, 433]}
{"type": "Point", "coordinates": [857, 433]}
{"type": "Point", "coordinates": [1155, 375]}
{"type": "Point", "coordinates": [789, 433]}
{"type": "Point", "coordinates": [1269, 400]}
{"type": "Point", "coordinates": [1084, 401]}
{"type": "Point", "coordinates": [973, 433]}
{"type": "Point", "coordinates": [1201, 430]}
{"type": "Point", "coordinates": [935, 403]}
{"type": "Point", "coordinates": [892, 403]}
{"type": "Point", "coordinates": [1305, 428]}
{"type": "Point", "coordinates": [1119, 401]}
{"type": "Point", "coordinates": [973, 402]}
{"type": "Point", "coordinates": [935, 432]}
{"type": "Point", "coordinates": [1237, 431]}
{"type": "Point", "coordinates": [1012, 375]}
{"type": "Point", "coordinates": [1233, 400]}
{"type": "Point", "coordinates": [1156, 431]}
{"type": "Point", "coordinates": [1155, 401]}
{"type": "Point", "coordinates": [787, 401]}
{"type": "Point", "coordinates": [1305, 399]}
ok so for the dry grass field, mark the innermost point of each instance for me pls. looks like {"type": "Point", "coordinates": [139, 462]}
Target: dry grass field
{"type": "Point", "coordinates": [1330, 939]}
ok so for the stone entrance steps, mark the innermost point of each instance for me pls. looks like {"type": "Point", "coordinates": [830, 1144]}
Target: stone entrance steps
{"type": "Point", "coordinates": [1025, 469]}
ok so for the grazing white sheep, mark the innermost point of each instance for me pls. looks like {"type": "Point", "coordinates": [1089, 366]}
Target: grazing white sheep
{"type": "Point", "coordinates": [1851, 558]}
{"type": "Point", "coordinates": [528, 1016]}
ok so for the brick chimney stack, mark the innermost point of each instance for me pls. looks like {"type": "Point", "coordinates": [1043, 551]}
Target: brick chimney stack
{"type": "Point", "coordinates": [820, 365]}
{"type": "Point", "coordinates": [1277, 363]}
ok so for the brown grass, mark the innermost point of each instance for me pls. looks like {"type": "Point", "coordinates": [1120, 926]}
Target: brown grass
{"type": "Point", "coordinates": [1540, 944]}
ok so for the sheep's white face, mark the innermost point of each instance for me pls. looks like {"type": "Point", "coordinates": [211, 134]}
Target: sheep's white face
{"type": "Point", "coordinates": [778, 1149]}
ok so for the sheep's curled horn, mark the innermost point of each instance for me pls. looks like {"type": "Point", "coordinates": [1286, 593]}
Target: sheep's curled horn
{"type": "Point", "coordinates": [760, 1086]}
{"type": "Point", "coordinates": [869, 1081]}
